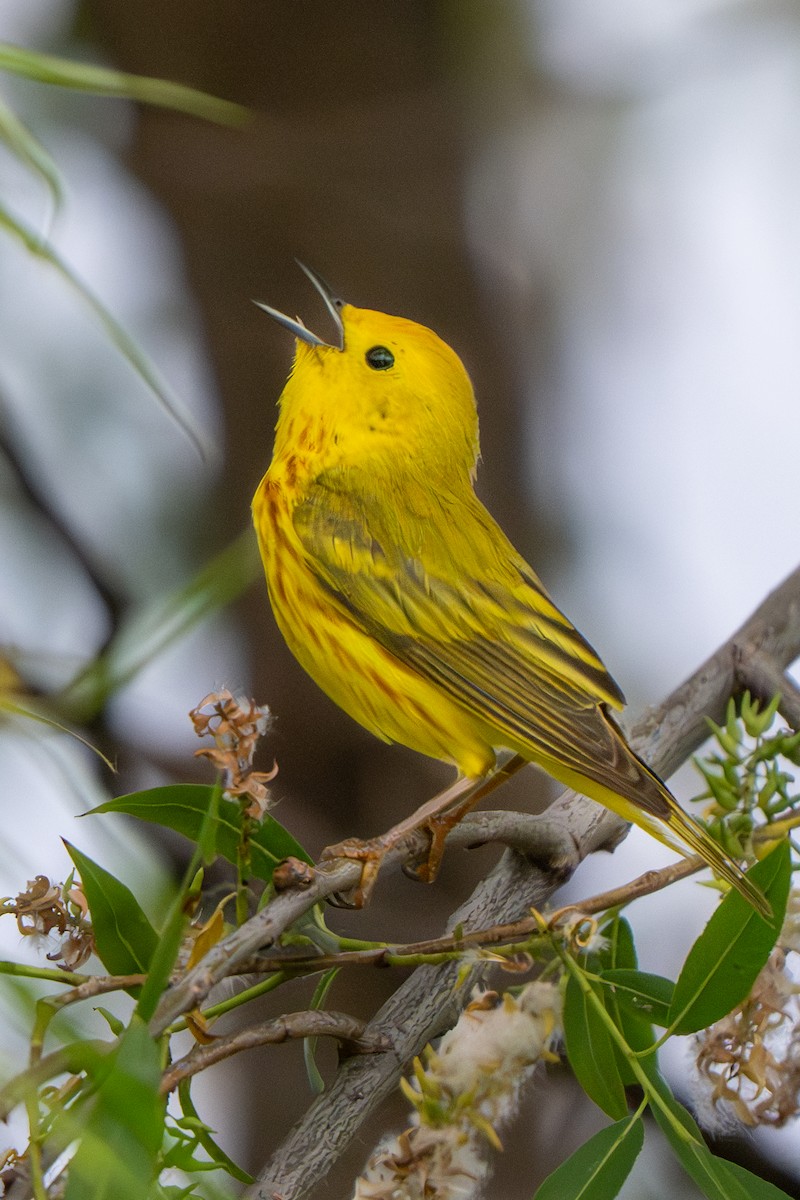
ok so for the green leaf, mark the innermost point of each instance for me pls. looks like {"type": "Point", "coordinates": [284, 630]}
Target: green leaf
{"type": "Point", "coordinates": [203, 1135]}
{"type": "Point", "coordinates": [80, 1056]}
{"type": "Point", "coordinates": [757, 1188]}
{"type": "Point", "coordinates": [143, 638]}
{"type": "Point", "coordinates": [120, 1142]}
{"type": "Point", "coordinates": [726, 958]}
{"type": "Point", "coordinates": [619, 957]}
{"type": "Point", "coordinates": [716, 1178]}
{"type": "Point", "coordinates": [621, 949]}
{"type": "Point", "coordinates": [163, 958]}
{"type": "Point", "coordinates": [12, 708]}
{"type": "Point", "coordinates": [124, 343]}
{"type": "Point", "coordinates": [599, 1168]}
{"type": "Point", "coordinates": [642, 994]}
{"type": "Point", "coordinates": [183, 806]}
{"type": "Point", "coordinates": [206, 839]}
{"type": "Point", "coordinates": [31, 153]}
{"type": "Point", "coordinates": [172, 933]}
{"type": "Point", "coordinates": [83, 77]}
{"type": "Point", "coordinates": [125, 939]}
{"type": "Point", "coordinates": [315, 1080]}
{"type": "Point", "coordinates": [755, 719]}
{"type": "Point", "coordinates": [111, 1019]}
{"type": "Point", "coordinates": [591, 1050]}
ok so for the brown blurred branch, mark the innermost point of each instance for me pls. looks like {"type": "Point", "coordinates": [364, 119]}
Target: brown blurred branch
{"type": "Point", "coordinates": [37, 498]}
{"type": "Point", "coordinates": [427, 1003]}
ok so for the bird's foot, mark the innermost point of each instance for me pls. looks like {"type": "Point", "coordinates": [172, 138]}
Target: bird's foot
{"type": "Point", "coordinates": [424, 867]}
{"type": "Point", "coordinates": [370, 853]}
{"type": "Point", "coordinates": [435, 819]}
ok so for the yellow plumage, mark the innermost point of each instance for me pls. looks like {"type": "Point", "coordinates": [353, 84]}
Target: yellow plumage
{"type": "Point", "coordinates": [402, 597]}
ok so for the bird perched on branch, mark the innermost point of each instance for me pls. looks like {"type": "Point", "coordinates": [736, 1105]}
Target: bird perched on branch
{"type": "Point", "coordinates": [405, 601]}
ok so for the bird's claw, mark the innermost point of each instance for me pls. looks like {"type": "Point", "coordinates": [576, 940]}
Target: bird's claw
{"type": "Point", "coordinates": [370, 853]}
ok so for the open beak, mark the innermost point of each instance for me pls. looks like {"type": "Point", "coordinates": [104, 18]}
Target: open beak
{"type": "Point", "coordinates": [296, 326]}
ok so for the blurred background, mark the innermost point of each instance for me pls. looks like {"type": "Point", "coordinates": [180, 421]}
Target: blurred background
{"type": "Point", "coordinates": [597, 204]}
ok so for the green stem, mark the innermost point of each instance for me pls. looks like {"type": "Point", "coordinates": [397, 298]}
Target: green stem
{"type": "Point", "coordinates": [345, 943]}
{"type": "Point", "coordinates": [651, 1091]}
{"type": "Point", "coordinates": [34, 1149]}
{"type": "Point", "coordinates": [49, 973]}
{"type": "Point", "coordinates": [70, 1060]}
{"type": "Point", "coordinates": [243, 865]}
{"type": "Point", "coordinates": [224, 1006]}
{"type": "Point", "coordinates": [422, 960]}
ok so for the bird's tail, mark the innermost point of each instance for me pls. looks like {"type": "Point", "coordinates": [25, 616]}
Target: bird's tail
{"type": "Point", "coordinates": [695, 837]}
{"type": "Point", "coordinates": [639, 796]}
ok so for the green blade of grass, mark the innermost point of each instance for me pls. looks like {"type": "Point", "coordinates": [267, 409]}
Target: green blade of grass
{"type": "Point", "coordinates": [104, 81]}
{"type": "Point", "coordinates": [31, 153]}
{"type": "Point", "coordinates": [118, 336]}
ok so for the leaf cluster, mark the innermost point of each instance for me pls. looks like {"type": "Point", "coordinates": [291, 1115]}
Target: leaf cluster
{"type": "Point", "coordinates": [610, 1008]}
{"type": "Point", "coordinates": [113, 1100]}
{"type": "Point", "coordinates": [74, 1094]}
{"type": "Point", "coordinates": [747, 781]}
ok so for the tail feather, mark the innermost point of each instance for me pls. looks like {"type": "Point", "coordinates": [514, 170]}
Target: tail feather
{"type": "Point", "coordinates": [696, 838]}
{"type": "Point", "coordinates": [691, 834]}
{"type": "Point", "coordinates": [637, 794]}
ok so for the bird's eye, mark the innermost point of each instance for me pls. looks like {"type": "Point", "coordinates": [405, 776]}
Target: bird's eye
{"type": "Point", "coordinates": [379, 358]}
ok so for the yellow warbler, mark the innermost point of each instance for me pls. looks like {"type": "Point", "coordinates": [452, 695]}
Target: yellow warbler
{"type": "Point", "coordinates": [400, 595]}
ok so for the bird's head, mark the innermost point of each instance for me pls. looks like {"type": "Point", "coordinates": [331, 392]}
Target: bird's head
{"type": "Point", "coordinates": [390, 391]}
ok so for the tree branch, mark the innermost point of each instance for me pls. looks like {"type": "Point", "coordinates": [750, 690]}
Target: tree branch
{"type": "Point", "coordinates": [428, 1002]}
{"type": "Point", "coordinates": [346, 1029]}
{"type": "Point", "coordinates": [405, 953]}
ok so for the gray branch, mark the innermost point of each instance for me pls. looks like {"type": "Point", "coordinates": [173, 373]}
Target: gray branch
{"type": "Point", "coordinates": [427, 1003]}
{"type": "Point", "coordinates": [348, 1031]}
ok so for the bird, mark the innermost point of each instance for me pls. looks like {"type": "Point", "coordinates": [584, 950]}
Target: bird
{"type": "Point", "coordinates": [401, 596]}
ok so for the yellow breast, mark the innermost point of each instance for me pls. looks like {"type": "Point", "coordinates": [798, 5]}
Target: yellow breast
{"type": "Point", "coordinates": [368, 682]}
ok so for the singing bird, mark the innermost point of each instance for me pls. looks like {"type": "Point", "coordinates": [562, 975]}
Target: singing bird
{"type": "Point", "coordinates": [404, 600]}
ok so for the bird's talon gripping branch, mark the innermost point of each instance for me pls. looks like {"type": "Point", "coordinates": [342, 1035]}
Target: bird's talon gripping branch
{"type": "Point", "coordinates": [437, 827]}
{"type": "Point", "coordinates": [424, 867]}
{"type": "Point", "coordinates": [370, 853]}
{"type": "Point", "coordinates": [435, 819]}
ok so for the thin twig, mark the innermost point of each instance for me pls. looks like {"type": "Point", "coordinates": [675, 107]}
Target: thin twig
{"type": "Point", "coordinates": [643, 885]}
{"type": "Point", "coordinates": [339, 875]}
{"type": "Point", "coordinates": [495, 936]}
{"type": "Point", "coordinates": [97, 985]}
{"type": "Point", "coordinates": [348, 1030]}
{"type": "Point", "coordinates": [264, 929]}
{"type": "Point", "coordinates": [765, 679]}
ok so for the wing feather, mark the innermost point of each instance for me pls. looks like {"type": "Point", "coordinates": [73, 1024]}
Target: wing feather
{"type": "Point", "coordinates": [446, 593]}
